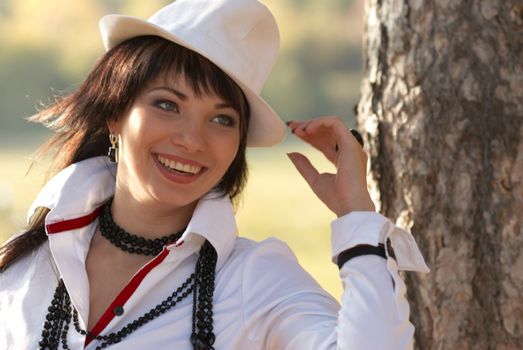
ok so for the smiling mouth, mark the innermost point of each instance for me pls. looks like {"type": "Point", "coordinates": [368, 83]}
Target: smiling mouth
{"type": "Point", "coordinates": [178, 167]}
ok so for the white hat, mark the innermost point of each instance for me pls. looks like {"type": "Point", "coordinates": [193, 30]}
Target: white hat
{"type": "Point", "coordinates": [239, 36]}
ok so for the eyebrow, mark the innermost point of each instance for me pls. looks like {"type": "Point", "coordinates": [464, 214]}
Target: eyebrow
{"type": "Point", "coordinates": [181, 95]}
{"type": "Point", "coordinates": [222, 105]}
{"type": "Point", "coordinates": [184, 97]}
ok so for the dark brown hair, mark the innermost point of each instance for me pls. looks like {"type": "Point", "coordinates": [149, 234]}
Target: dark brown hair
{"type": "Point", "coordinates": [80, 119]}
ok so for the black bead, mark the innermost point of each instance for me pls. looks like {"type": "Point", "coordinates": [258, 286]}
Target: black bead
{"type": "Point", "coordinates": [211, 338]}
{"type": "Point", "coordinates": [118, 310]}
{"type": "Point", "coordinates": [200, 345]}
{"type": "Point", "coordinates": [193, 339]}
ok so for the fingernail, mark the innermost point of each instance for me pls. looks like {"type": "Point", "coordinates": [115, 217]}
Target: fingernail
{"type": "Point", "coordinates": [357, 135]}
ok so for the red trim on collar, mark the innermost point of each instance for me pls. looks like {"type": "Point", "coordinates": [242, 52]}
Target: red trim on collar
{"type": "Point", "coordinates": [73, 224]}
{"type": "Point", "coordinates": [125, 294]}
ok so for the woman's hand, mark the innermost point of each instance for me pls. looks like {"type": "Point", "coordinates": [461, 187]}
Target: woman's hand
{"type": "Point", "coordinates": [345, 191]}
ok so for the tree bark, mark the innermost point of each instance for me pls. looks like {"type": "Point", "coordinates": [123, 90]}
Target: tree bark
{"type": "Point", "coordinates": [442, 114]}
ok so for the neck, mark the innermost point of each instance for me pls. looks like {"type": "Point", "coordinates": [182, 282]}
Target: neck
{"type": "Point", "coordinates": [148, 218]}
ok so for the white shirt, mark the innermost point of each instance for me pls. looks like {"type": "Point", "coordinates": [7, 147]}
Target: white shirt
{"type": "Point", "coordinates": [263, 298]}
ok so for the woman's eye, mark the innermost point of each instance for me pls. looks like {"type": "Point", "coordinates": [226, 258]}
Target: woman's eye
{"type": "Point", "coordinates": [225, 120]}
{"type": "Point", "coordinates": [167, 106]}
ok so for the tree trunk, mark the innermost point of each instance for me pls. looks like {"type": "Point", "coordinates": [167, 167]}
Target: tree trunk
{"type": "Point", "coordinates": [442, 114]}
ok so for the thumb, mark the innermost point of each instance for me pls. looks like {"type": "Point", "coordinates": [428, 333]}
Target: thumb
{"type": "Point", "coordinates": [304, 167]}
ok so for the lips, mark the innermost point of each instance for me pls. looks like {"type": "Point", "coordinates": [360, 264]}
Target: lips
{"type": "Point", "coordinates": [178, 170]}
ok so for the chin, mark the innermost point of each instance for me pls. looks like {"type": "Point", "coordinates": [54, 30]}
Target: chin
{"type": "Point", "coordinates": [176, 198]}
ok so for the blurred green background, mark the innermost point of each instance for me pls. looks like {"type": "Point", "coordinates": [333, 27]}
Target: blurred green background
{"type": "Point", "coordinates": [47, 48]}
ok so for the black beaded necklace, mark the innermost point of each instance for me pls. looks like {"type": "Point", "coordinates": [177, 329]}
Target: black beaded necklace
{"type": "Point", "coordinates": [200, 283]}
{"type": "Point", "coordinates": [127, 241]}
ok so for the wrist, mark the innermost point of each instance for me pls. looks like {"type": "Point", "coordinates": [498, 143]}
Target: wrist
{"type": "Point", "coordinates": [365, 204]}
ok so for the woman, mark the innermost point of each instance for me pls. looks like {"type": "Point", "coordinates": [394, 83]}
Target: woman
{"type": "Point", "coordinates": [141, 251]}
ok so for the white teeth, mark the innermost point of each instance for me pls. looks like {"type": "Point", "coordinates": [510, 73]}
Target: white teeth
{"type": "Point", "coordinates": [186, 168]}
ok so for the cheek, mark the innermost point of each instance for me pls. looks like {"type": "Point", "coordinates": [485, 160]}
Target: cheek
{"type": "Point", "coordinates": [224, 152]}
{"type": "Point", "coordinates": [141, 132]}
{"type": "Point", "coordinates": [231, 157]}
{"type": "Point", "coordinates": [139, 124]}
{"type": "Point", "coordinates": [232, 149]}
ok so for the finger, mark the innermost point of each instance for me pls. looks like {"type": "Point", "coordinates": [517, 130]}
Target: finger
{"type": "Point", "coordinates": [323, 133]}
{"type": "Point", "coordinates": [333, 122]}
{"type": "Point", "coordinates": [358, 138]}
{"type": "Point", "coordinates": [296, 125]}
{"type": "Point", "coordinates": [340, 135]}
{"type": "Point", "coordinates": [329, 135]}
{"type": "Point", "coordinates": [334, 127]}
{"type": "Point", "coordinates": [299, 129]}
{"type": "Point", "coordinates": [304, 167]}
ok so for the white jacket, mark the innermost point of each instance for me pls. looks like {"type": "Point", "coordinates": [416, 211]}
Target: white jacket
{"type": "Point", "coordinates": [263, 298]}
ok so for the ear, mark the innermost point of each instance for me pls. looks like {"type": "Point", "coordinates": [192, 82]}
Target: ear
{"type": "Point", "coordinates": [113, 126]}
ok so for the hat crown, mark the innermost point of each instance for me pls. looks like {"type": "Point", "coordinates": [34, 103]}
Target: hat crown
{"type": "Point", "coordinates": [240, 35]}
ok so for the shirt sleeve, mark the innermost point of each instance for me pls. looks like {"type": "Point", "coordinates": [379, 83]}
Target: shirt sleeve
{"type": "Point", "coordinates": [285, 308]}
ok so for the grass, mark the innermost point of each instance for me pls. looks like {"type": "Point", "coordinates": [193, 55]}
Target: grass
{"type": "Point", "coordinates": [276, 202]}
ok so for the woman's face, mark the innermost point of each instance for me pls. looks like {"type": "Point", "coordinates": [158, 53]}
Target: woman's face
{"type": "Point", "coordinates": [175, 145]}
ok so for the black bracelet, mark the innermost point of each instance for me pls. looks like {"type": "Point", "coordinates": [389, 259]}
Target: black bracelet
{"type": "Point", "coordinates": [365, 249]}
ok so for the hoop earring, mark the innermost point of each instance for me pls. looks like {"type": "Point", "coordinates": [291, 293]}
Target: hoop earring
{"type": "Point", "coordinates": [113, 150]}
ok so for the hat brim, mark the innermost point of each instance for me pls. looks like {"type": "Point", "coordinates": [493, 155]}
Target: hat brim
{"type": "Point", "coordinates": [266, 128]}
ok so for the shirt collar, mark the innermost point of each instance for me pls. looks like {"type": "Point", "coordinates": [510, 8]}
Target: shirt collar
{"type": "Point", "coordinates": [76, 190]}
{"type": "Point", "coordinates": [214, 219]}
{"type": "Point", "coordinates": [81, 188]}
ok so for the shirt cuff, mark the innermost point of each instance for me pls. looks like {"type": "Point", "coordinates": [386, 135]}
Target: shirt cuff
{"type": "Point", "coordinates": [372, 228]}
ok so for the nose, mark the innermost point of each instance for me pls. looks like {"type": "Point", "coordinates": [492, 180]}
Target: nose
{"type": "Point", "coordinates": [189, 135]}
